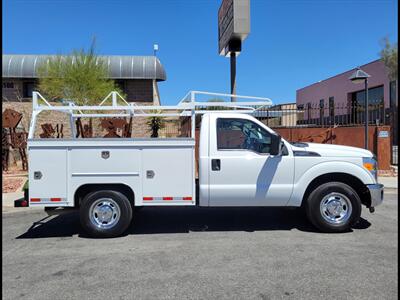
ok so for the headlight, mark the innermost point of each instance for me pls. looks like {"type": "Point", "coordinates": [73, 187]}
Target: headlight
{"type": "Point", "coordinates": [371, 165]}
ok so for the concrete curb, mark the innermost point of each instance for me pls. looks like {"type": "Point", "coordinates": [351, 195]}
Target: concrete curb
{"type": "Point", "coordinates": [9, 198]}
{"type": "Point", "coordinates": [389, 182]}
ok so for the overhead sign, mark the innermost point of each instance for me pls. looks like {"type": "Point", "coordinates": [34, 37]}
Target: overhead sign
{"type": "Point", "coordinates": [233, 25]}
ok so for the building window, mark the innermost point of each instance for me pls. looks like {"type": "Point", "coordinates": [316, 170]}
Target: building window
{"type": "Point", "coordinates": [375, 96]}
{"type": "Point", "coordinates": [28, 88]}
{"type": "Point", "coordinates": [300, 106]}
{"type": "Point", "coordinates": [375, 105]}
{"type": "Point", "coordinates": [332, 107]}
{"type": "Point", "coordinates": [8, 85]}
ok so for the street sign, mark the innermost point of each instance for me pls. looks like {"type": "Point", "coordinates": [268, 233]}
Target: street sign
{"type": "Point", "coordinates": [383, 134]}
{"type": "Point", "coordinates": [233, 25]}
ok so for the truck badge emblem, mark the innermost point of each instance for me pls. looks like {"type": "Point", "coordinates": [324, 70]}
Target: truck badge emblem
{"type": "Point", "coordinates": [105, 154]}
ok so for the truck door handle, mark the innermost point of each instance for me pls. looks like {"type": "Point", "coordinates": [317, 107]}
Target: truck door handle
{"type": "Point", "coordinates": [215, 164]}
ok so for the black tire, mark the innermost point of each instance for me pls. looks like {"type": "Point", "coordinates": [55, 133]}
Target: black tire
{"type": "Point", "coordinates": [137, 208]}
{"type": "Point", "coordinates": [321, 217]}
{"type": "Point", "coordinates": [118, 205]}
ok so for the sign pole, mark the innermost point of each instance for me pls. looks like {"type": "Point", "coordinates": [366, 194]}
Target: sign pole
{"type": "Point", "coordinates": [233, 75]}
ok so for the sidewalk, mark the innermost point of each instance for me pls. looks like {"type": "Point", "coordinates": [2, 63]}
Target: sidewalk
{"type": "Point", "coordinates": [8, 198]}
{"type": "Point", "coordinates": [388, 182]}
{"type": "Point", "coordinates": [8, 203]}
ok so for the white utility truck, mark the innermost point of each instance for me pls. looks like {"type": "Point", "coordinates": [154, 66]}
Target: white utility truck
{"type": "Point", "coordinates": [241, 162]}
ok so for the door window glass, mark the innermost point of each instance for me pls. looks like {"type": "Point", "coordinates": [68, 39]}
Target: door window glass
{"type": "Point", "coordinates": [242, 134]}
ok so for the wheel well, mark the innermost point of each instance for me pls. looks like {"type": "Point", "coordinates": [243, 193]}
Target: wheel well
{"type": "Point", "coordinates": [83, 190]}
{"type": "Point", "coordinates": [345, 178]}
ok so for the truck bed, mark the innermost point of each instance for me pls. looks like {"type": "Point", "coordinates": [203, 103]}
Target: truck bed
{"type": "Point", "coordinates": [159, 171]}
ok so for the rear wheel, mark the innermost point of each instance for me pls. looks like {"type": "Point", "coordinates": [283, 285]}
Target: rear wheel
{"type": "Point", "coordinates": [105, 213]}
{"type": "Point", "coordinates": [333, 207]}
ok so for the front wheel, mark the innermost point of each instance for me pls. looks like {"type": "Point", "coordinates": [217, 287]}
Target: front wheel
{"type": "Point", "coordinates": [105, 213]}
{"type": "Point", "coordinates": [333, 207]}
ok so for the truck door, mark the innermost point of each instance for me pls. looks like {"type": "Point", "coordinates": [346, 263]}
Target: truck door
{"type": "Point", "coordinates": [241, 171]}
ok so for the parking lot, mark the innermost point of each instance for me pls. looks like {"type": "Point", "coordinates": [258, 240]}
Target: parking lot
{"type": "Point", "coordinates": [202, 253]}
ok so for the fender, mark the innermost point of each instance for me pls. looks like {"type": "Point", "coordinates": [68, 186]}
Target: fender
{"type": "Point", "coordinates": [322, 168]}
{"type": "Point", "coordinates": [131, 183]}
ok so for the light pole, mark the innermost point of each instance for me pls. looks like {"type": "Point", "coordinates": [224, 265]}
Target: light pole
{"type": "Point", "coordinates": [357, 77]}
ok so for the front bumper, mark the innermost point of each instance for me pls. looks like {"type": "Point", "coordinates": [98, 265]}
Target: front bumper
{"type": "Point", "coordinates": [376, 192]}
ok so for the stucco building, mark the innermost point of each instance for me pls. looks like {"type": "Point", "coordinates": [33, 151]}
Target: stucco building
{"type": "Point", "coordinates": [338, 100]}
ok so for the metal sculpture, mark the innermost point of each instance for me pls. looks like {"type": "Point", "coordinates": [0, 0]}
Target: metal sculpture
{"type": "Point", "coordinates": [13, 139]}
{"type": "Point", "coordinates": [20, 142]}
{"type": "Point", "coordinates": [85, 131]}
{"type": "Point", "coordinates": [112, 125]}
{"type": "Point", "coordinates": [128, 129]}
{"type": "Point", "coordinates": [11, 118]}
{"type": "Point", "coordinates": [49, 131]}
{"type": "Point", "coordinates": [5, 149]}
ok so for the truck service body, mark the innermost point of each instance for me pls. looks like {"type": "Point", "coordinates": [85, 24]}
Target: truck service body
{"type": "Point", "coordinates": [241, 162]}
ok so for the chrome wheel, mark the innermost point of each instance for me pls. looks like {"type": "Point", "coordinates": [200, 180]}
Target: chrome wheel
{"type": "Point", "coordinates": [336, 208]}
{"type": "Point", "coordinates": [104, 213]}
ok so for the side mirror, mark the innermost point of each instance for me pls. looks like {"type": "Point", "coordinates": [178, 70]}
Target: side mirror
{"type": "Point", "coordinates": [275, 145]}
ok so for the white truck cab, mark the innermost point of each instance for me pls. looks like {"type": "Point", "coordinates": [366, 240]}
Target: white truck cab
{"type": "Point", "coordinates": [242, 162]}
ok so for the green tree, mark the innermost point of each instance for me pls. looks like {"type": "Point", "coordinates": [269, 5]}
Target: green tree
{"type": "Point", "coordinates": [216, 100]}
{"type": "Point", "coordinates": [80, 77]}
{"type": "Point", "coordinates": [389, 57]}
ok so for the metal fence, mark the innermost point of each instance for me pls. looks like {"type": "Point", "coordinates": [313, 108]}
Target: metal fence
{"type": "Point", "coordinates": [314, 116]}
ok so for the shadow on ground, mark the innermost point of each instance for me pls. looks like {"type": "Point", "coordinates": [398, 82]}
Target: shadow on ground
{"type": "Point", "coordinates": [153, 220]}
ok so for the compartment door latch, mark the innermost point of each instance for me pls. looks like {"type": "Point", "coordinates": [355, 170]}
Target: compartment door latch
{"type": "Point", "coordinates": [150, 174]}
{"type": "Point", "coordinates": [37, 175]}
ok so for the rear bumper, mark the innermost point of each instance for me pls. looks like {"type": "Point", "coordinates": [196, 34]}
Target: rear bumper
{"type": "Point", "coordinates": [23, 202]}
{"type": "Point", "coordinates": [376, 192]}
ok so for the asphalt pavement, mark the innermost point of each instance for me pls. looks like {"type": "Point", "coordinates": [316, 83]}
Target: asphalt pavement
{"type": "Point", "coordinates": [202, 253]}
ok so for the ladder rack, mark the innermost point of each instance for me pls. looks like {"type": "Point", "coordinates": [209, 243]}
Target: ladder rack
{"type": "Point", "coordinates": [189, 106]}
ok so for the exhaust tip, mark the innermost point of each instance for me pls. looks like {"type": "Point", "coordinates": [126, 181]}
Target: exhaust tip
{"type": "Point", "coordinates": [371, 209]}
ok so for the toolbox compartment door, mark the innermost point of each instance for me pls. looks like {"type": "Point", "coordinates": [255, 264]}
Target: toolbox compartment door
{"type": "Point", "coordinates": [48, 175]}
{"type": "Point", "coordinates": [168, 176]}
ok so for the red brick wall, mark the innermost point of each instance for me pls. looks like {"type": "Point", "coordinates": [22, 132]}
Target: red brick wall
{"type": "Point", "coordinates": [348, 136]}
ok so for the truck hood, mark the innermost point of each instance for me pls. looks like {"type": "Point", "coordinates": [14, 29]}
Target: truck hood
{"type": "Point", "coordinates": [332, 150]}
